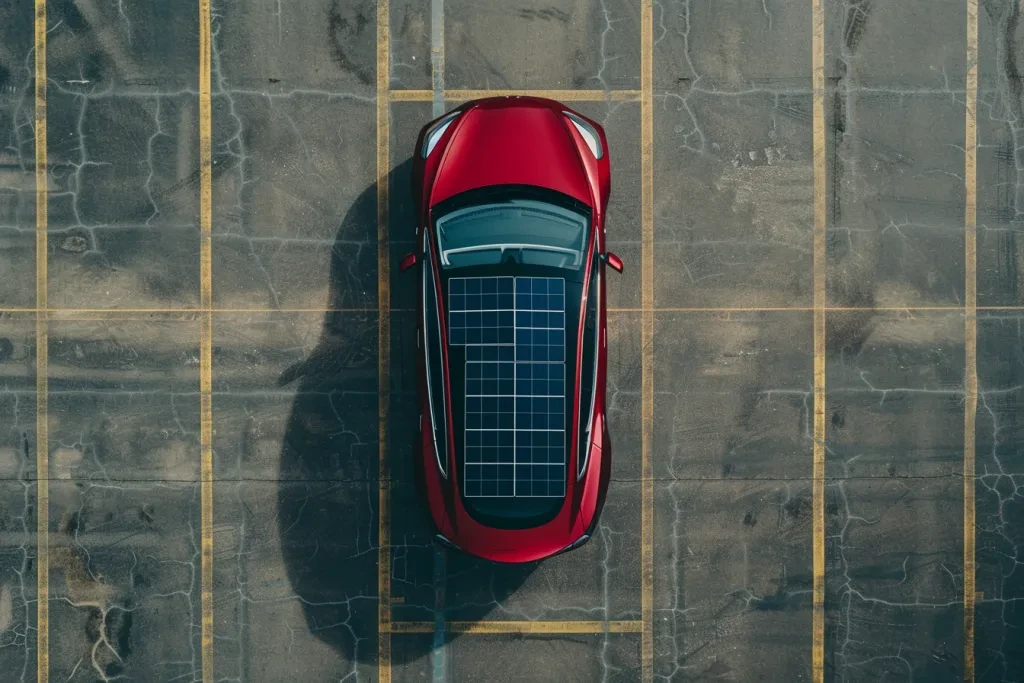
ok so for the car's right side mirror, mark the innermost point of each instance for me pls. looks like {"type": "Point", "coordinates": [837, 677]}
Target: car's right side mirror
{"type": "Point", "coordinates": [612, 260]}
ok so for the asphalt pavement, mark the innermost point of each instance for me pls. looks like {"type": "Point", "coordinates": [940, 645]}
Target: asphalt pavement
{"type": "Point", "coordinates": [816, 357]}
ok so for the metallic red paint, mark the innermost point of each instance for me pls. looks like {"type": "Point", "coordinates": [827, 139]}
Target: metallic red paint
{"type": "Point", "coordinates": [523, 141]}
{"type": "Point", "coordinates": [509, 145]}
{"type": "Point", "coordinates": [408, 261]}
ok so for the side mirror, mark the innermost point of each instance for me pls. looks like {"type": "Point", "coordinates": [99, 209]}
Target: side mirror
{"type": "Point", "coordinates": [408, 261]}
{"type": "Point", "coordinates": [613, 261]}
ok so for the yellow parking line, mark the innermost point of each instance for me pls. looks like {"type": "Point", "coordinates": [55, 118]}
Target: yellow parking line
{"type": "Point", "coordinates": [647, 337]}
{"type": "Point", "coordinates": [383, 345]}
{"type": "Point", "coordinates": [970, 329]}
{"type": "Point", "coordinates": [891, 309]}
{"type": "Point", "coordinates": [206, 336]}
{"type": "Point", "coordinates": [712, 309]}
{"type": "Point", "coordinates": [42, 358]}
{"type": "Point", "coordinates": [404, 95]}
{"type": "Point", "coordinates": [113, 313]}
{"type": "Point", "coordinates": [520, 627]}
{"type": "Point", "coordinates": [411, 95]}
{"type": "Point", "coordinates": [818, 488]}
{"type": "Point", "coordinates": [561, 95]}
{"type": "Point", "coordinates": [73, 312]}
{"type": "Point", "coordinates": [789, 309]}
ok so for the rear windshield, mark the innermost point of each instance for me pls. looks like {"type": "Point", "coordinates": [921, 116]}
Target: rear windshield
{"type": "Point", "coordinates": [521, 231]}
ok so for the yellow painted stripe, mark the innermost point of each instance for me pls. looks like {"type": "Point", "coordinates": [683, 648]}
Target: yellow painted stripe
{"type": "Point", "coordinates": [520, 627]}
{"type": "Point", "coordinates": [42, 360]}
{"type": "Point", "coordinates": [561, 95]}
{"type": "Point", "coordinates": [791, 309]}
{"type": "Point", "coordinates": [411, 95]}
{"type": "Point", "coordinates": [647, 337]}
{"type": "Point", "coordinates": [970, 329]}
{"type": "Point", "coordinates": [42, 207]}
{"type": "Point", "coordinates": [818, 487]}
{"type": "Point", "coordinates": [206, 336]}
{"type": "Point", "coordinates": [113, 313]}
{"type": "Point", "coordinates": [712, 309]}
{"type": "Point", "coordinates": [383, 344]}
{"type": "Point", "coordinates": [216, 311]}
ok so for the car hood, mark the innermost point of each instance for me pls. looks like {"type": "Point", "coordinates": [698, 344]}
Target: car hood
{"type": "Point", "coordinates": [519, 145]}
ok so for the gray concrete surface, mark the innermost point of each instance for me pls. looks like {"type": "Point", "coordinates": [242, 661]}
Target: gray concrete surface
{"type": "Point", "coordinates": [295, 387]}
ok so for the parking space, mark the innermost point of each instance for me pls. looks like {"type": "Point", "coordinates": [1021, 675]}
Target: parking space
{"type": "Point", "coordinates": [732, 542]}
{"type": "Point", "coordinates": [18, 583]}
{"type": "Point", "coordinates": [998, 502]}
{"type": "Point", "coordinates": [894, 505]}
{"type": "Point", "coordinates": [123, 490]}
{"type": "Point", "coordinates": [896, 380]}
{"type": "Point", "coordinates": [999, 462]}
{"type": "Point", "coordinates": [123, 217]}
{"type": "Point", "coordinates": [234, 329]}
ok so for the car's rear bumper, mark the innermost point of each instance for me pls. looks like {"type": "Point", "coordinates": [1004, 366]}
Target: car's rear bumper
{"type": "Point", "coordinates": [516, 556]}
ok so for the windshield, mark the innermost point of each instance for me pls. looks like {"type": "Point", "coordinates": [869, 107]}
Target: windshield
{"type": "Point", "coordinates": [518, 230]}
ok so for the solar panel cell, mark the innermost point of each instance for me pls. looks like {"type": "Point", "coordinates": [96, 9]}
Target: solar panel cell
{"type": "Point", "coordinates": [491, 354]}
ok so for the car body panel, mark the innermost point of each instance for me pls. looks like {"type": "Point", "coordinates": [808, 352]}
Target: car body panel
{"type": "Point", "coordinates": [490, 145]}
{"type": "Point", "coordinates": [501, 142]}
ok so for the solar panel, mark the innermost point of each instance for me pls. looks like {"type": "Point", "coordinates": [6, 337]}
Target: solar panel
{"type": "Point", "coordinates": [514, 333]}
{"type": "Point", "coordinates": [480, 310]}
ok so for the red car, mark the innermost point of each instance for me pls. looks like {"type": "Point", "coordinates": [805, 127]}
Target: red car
{"type": "Point", "coordinates": [513, 457]}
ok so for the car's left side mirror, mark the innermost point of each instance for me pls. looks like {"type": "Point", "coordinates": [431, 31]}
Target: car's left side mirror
{"type": "Point", "coordinates": [408, 261]}
{"type": "Point", "coordinates": [612, 260]}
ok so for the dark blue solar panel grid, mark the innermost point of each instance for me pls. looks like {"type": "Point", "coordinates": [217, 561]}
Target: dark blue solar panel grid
{"type": "Point", "coordinates": [540, 319]}
{"type": "Point", "coordinates": [540, 463]}
{"type": "Point", "coordinates": [480, 310]}
{"type": "Point", "coordinates": [540, 480]}
{"type": "Point", "coordinates": [489, 412]}
{"type": "Point", "coordinates": [514, 331]}
{"type": "Point", "coordinates": [489, 469]}
{"type": "Point", "coordinates": [489, 379]}
{"type": "Point", "coordinates": [539, 448]}
{"type": "Point", "coordinates": [540, 387]}
{"type": "Point", "coordinates": [489, 480]}
{"type": "Point", "coordinates": [480, 293]}
{"type": "Point", "coordinates": [491, 447]}
{"type": "Point", "coordinates": [540, 345]}
{"type": "Point", "coordinates": [490, 354]}
{"type": "Point", "coordinates": [489, 396]}
{"type": "Point", "coordinates": [540, 294]}
{"type": "Point", "coordinates": [480, 327]}
{"type": "Point", "coordinates": [534, 412]}
{"type": "Point", "coordinates": [540, 379]}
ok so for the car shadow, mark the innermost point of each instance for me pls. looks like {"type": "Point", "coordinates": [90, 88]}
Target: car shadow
{"type": "Point", "coordinates": [327, 505]}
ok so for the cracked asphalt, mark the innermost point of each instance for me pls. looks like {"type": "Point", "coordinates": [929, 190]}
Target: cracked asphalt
{"type": "Point", "coordinates": [295, 348]}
